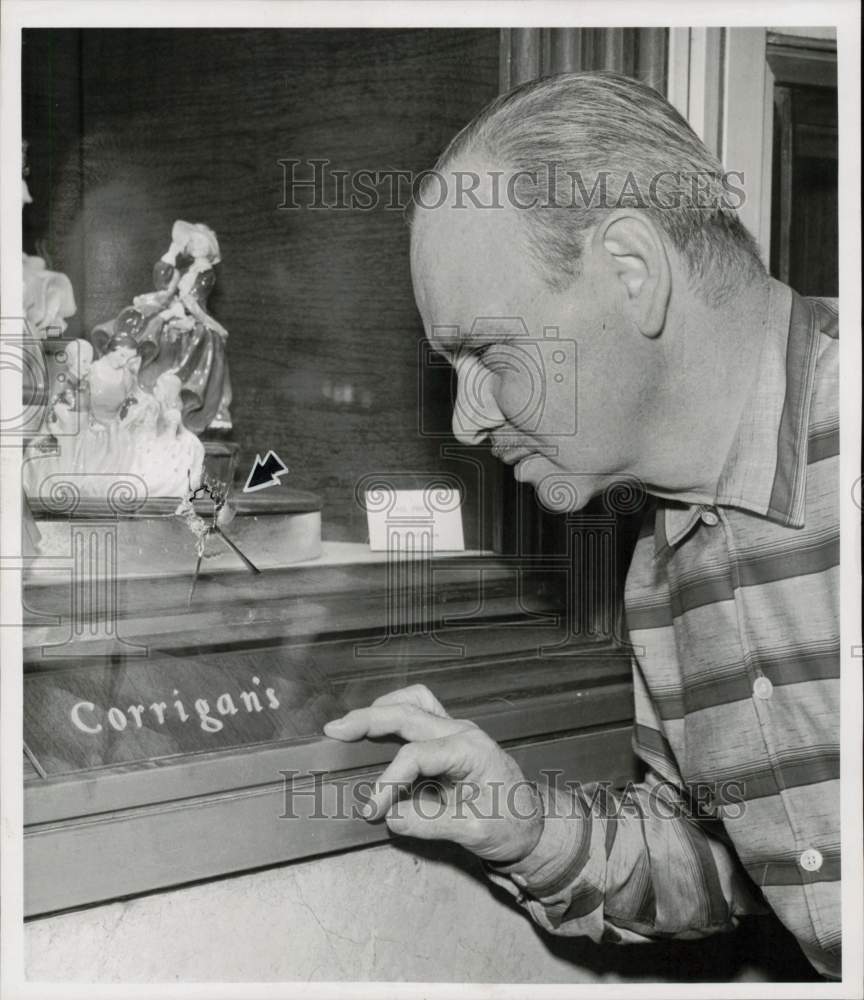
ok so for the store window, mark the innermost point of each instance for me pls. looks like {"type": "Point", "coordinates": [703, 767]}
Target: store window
{"type": "Point", "coordinates": [171, 715]}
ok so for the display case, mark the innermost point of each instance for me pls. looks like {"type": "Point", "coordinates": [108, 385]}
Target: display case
{"type": "Point", "coordinates": [174, 732]}
{"type": "Point", "coordinates": [137, 780]}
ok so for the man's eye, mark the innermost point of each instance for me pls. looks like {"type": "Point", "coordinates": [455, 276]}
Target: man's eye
{"type": "Point", "coordinates": [483, 351]}
{"type": "Point", "coordinates": [486, 354]}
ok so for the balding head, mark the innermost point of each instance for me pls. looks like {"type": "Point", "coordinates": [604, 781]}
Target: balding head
{"type": "Point", "coordinates": [574, 147]}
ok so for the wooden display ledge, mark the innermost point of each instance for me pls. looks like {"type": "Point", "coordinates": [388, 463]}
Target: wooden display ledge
{"type": "Point", "coordinates": [280, 501]}
{"type": "Point", "coordinates": [271, 530]}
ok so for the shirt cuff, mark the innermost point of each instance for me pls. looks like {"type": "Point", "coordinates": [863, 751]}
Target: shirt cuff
{"type": "Point", "coordinates": [560, 854]}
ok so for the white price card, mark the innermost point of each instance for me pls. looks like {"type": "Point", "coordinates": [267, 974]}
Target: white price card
{"type": "Point", "coordinates": [414, 522]}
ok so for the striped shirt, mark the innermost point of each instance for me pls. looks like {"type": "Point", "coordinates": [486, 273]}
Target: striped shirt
{"type": "Point", "coordinates": [732, 609]}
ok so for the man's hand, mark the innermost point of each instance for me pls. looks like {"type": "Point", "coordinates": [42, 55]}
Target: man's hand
{"type": "Point", "coordinates": [480, 797]}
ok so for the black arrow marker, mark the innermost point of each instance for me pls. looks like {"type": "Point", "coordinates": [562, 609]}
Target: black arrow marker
{"type": "Point", "coordinates": [265, 474]}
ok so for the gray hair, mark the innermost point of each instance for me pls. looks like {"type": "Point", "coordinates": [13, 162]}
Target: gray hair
{"type": "Point", "coordinates": [612, 128]}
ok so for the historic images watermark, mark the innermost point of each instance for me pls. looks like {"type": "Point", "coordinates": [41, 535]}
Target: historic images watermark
{"type": "Point", "coordinates": [319, 796]}
{"type": "Point", "coordinates": [26, 353]}
{"type": "Point", "coordinates": [87, 562]}
{"type": "Point", "coordinates": [316, 184]}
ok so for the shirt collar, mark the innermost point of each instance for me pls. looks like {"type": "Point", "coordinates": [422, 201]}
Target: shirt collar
{"type": "Point", "coordinates": [765, 471]}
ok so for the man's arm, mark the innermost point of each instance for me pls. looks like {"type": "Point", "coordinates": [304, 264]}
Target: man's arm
{"type": "Point", "coordinates": [628, 867]}
{"type": "Point", "coordinates": [586, 862]}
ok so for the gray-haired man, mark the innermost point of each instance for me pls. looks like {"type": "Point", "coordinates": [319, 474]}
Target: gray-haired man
{"type": "Point", "coordinates": [717, 387]}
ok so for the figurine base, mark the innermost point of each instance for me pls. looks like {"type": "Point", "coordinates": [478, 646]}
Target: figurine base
{"type": "Point", "coordinates": [272, 532]}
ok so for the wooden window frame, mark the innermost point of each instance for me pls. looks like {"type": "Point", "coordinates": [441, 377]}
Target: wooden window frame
{"type": "Point", "coordinates": [716, 76]}
{"type": "Point", "coordinates": [791, 61]}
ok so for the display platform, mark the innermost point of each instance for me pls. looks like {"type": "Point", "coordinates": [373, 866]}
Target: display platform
{"type": "Point", "coordinates": [151, 540]}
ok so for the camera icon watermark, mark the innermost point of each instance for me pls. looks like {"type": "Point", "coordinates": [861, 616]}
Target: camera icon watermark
{"type": "Point", "coordinates": [21, 353]}
{"type": "Point", "coordinates": [857, 493]}
{"type": "Point", "coordinates": [508, 381]}
{"type": "Point", "coordinates": [49, 373]}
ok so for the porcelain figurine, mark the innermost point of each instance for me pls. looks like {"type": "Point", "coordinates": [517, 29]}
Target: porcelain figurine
{"type": "Point", "coordinates": [175, 333]}
{"type": "Point", "coordinates": [104, 423]}
{"type": "Point", "coordinates": [48, 297]}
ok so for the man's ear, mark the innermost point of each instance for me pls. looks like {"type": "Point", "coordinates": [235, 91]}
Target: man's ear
{"type": "Point", "coordinates": [633, 247]}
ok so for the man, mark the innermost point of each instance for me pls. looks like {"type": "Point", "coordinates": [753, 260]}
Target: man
{"type": "Point", "coordinates": [717, 387]}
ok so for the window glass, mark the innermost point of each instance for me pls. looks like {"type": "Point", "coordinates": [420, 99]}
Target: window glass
{"type": "Point", "coordinates": [132, 129]}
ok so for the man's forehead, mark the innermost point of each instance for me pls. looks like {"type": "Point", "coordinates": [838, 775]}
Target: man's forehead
{"type": "Point", "coordinates": [468, 217]}
{"type": "Point", "coordinates": [468, 263]}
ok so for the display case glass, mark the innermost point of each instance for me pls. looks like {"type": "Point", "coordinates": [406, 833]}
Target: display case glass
{"type": "Point", "coordinates": [173, 731]}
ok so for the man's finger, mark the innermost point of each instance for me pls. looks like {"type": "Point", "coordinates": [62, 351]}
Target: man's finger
{"type": "Point", "coordinates": [416, 694]}
{"type": "Point", "coordinates": [429, 759]}
{"type": "Point", "coordinates": [407, 721]}
{"type": "Point", "coordinates": [425, 815]}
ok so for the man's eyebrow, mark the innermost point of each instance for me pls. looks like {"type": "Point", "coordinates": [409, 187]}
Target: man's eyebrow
{"type": "Point", "coordinates": [479, 332]}
{"type": "Point", "coordinates": [488, 328]}
{"type": "Point", "coordinates": [450, 340]}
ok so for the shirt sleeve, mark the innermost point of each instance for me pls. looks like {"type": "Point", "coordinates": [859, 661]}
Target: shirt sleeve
{"type": "Point", "coordinates": [629, 867]}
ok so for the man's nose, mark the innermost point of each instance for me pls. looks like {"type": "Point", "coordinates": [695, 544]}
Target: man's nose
{"type": "Point", "coordinates": [475, 411]}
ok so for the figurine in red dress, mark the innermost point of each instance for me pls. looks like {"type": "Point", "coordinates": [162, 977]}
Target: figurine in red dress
{"type": "Point", "coordinates": [174, 331]}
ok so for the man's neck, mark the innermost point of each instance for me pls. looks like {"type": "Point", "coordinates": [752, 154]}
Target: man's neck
{"type": "Point", "coordinates": [713, 364]}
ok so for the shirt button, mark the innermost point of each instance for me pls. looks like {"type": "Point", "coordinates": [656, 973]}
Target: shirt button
{"type": "Point", "coordinates": [710, 518]}
{"type": "Point", "coordinates": [811, 860]}
{"type": "Point", "coordinates": [762, 688]}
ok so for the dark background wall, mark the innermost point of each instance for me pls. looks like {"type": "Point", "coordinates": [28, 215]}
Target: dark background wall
{"type": "Point", "coordinates": [132, 129]}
